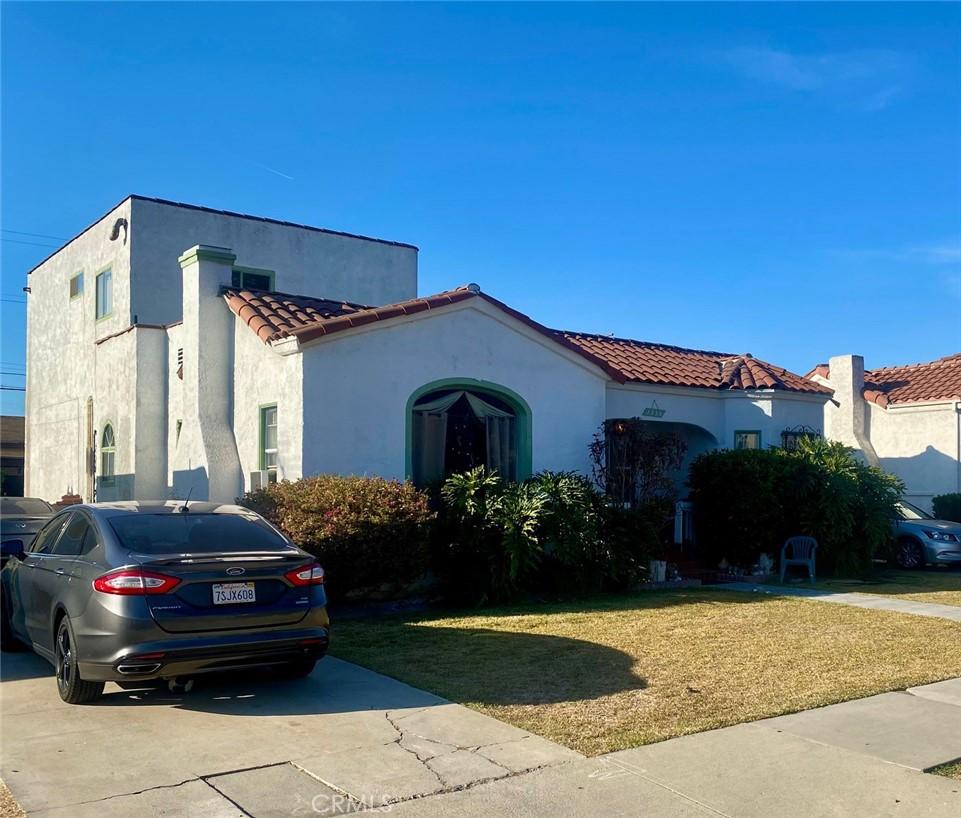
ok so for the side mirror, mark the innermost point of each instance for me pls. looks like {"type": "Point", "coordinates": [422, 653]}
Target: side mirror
{"type": "Point", "coordinates": [11, 548]}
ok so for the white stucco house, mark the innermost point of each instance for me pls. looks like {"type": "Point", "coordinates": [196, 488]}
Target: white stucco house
{"type": "Point", "coordinates": [175, 349]}
{"type": "Point", "coordinates": [905, 419]}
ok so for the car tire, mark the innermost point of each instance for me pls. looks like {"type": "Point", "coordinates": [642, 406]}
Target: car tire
{"type": "Point", "coordinates": [72, 689]}
{"type": "Point", "coordinates": [298, 669]}
{"type": "Point", "coordinates": [909, 554]}
{"type": "Point", "coordinates": [8, 642]}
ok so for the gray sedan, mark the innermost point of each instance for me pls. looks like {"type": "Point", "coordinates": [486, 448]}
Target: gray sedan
{"type": "Point", "coordinates": [129, 592]}
{"type": "Point", "coordinates": [923, 540]}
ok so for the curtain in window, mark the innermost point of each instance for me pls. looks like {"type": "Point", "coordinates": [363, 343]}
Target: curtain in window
{"type": "Point", "coordinates": [430, 436]}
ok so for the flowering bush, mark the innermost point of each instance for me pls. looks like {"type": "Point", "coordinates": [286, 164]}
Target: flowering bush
{"type": "Point", "coordinates": [366, 531]}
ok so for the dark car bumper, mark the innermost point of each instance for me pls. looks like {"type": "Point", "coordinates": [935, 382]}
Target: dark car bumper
{"type": "Point", "coordinates": [169, 659]}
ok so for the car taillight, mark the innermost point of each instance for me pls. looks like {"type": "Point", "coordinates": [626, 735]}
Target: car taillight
{"type": "Point", "coordinates": [307, 575]}
{"type": "Point", "coordinates": [133, 582]}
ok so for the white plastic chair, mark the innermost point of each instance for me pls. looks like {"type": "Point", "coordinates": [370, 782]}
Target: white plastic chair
{"type": "Point", "coordinates": [801, 551]}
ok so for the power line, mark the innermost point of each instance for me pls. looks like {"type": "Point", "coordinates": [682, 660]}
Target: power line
{"type": "Point", "coordinates": [16, 374]}
{"type": "Point", "coordinates": [13, 388]}
{"type": "Point", "coordinates": [32, 243]}
{"type": "Point", "coordinates": [14, 300]}
{"type": "Point", "coordinates": [37, 235]}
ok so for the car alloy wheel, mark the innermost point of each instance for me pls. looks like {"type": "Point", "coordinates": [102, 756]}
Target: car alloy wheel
{"type": "Point", "coordinates": [70, 686]}
{"type": "Point", "coordinates": [910, 554]}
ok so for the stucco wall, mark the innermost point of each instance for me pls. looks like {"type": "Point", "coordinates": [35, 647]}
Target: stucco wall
{"type": "Point", "coordinates": [115, 402]}
{"type": "Point", "coordinates": [920, 444]}
{"type": "Point", "coordinates": [61, 355]}
{"type": "Point", "coordinates": [262, 376]}
{"type": "Point", "coordinates": [150, 435]}
{"type": "Point", "coordinates": [720, 413]}
{"type": "Point", "coordinates": [356, 388]}
{"type": "Point", "coordinates": [304, 261]}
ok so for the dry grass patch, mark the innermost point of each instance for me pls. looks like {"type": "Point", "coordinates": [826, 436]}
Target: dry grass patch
{"type": "Point", "coordinates": [9, 808]}
{"type": "Point", "coordinates": [940, 585]}
{"type": "Point", "coordinates": [952, 770]}
{"type": "Point", "coordinates": [617, 672]}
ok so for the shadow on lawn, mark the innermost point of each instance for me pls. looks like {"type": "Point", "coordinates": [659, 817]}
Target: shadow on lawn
{"type": "Point", "coordinates": [494, 667]}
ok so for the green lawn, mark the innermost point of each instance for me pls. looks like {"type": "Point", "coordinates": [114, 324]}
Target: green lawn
{"type": "Point", "coordinates": [941, 585]}
{"type": "Point", "coordinates": [617, 672]}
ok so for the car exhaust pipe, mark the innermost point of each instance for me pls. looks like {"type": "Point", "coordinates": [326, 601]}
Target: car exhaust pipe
{"type": "Point", "coordinates": [138, 669]}
{"type": "Point", "coordinates": [180, 685]}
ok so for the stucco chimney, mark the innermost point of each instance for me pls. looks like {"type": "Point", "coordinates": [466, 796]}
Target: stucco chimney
{"type": "Point", "coordinates": [847, 423]}
{"type": "Point", "coordinates": [207, 463]}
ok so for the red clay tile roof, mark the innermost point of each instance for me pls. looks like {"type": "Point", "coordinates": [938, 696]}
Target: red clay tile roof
{"type": "Point", "coordinates": [645, 362]}
{"type": "Point", "coordinates": [280, 315]}
{"type": "Point", "coordinates": [912, 383]}
{"type": "Point", "coordinates": [915, 383]}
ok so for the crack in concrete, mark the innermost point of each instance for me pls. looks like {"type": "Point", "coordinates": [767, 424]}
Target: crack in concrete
{"type": "Point", "coordinates": [399, 741]}
{"type": "Point", "coordinates": [123, 794]}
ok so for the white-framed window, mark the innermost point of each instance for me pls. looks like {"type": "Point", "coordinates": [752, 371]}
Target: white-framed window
{"type": "Point", "coordinates": [747, 439]}
{"type": "Point", "coordinates": [104, 294]}
{"type": "Point", "coordinates": [108, 454]}
{"type": "Point", "coordinates": [268, 441]}
{"type": "Point", "coordinates": [76, 286]}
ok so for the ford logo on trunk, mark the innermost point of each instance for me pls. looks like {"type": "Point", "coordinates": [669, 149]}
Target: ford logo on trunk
{"type": "Point", "coordinates": [235, 572]}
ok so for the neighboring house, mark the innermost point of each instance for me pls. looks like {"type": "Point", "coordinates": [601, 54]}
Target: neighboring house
{"type": "Point", "coordinates": [905, 419]}
{"type": "Point", "coordinates": [11, 455]}
{"type": "Point", "coordinates": [168, 353]}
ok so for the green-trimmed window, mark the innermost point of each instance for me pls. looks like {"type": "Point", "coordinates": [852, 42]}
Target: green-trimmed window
{"type": "Point", "coordinates": [747, 439]}
{"type": "Point", "coordinates": [251, 279]}
{"type": "Point", "coordinates": [104, 294]}
{"type": "Point", "coordinates": [76, 285]}
{"type": "Point", "coordinates": [108, 454]}
{"type": "Point", "coordinates": [268, 441]}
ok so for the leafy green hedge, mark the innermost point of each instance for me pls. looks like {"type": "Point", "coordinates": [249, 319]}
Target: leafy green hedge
{"type": "Point", "coordinates": [490, 540]}
{"type": "Point", "coordinates": [366, 531]}
{"type": "Point", "coordinates": [750, 501]}
{"type": "Point", "coordinates": [947, 507]}
{"type": "Point", "coordinates": [553, 532]}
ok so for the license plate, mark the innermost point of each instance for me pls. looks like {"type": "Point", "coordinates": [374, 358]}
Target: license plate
{"type": "Point", "coordinates": [233, 593]}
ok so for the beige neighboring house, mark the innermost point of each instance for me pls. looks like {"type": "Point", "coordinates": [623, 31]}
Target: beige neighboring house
{"type": "Point", "coordinates": [905, 419]}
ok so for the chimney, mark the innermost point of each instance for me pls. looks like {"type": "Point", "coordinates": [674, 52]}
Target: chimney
{"type": "Point", "coordinates": [847, 422]}
{"type": "Point", "coordinates": [207, 464]}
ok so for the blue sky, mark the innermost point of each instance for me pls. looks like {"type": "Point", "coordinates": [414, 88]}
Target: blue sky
{"type": "Point", "coordinates": [777, 179]}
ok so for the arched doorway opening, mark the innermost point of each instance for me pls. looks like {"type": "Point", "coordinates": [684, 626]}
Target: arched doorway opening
{"type": "Point", "coordinates": [457, 425]}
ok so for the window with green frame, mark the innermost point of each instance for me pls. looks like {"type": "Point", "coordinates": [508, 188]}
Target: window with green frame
{"type": "Point", "coordinates": [108, 454]}
{"type": "Point", "coordinates": [747, 439]}
{"type": "Point", "coordinates": [251, 279]}
{"type": "Point", "coordinates": [76, 285]}
{"type": "Point", "coordinates": [104, 294]}
{"type": "Point", "coordinates": [268, 441]}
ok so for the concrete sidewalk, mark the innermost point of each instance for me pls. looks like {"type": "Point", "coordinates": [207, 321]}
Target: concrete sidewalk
{"type": "Point", "coordinates": [874, 601]}
{"type": "Point", "coordinates": [860, 758]}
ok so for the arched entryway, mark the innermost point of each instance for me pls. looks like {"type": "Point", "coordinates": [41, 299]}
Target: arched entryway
{"type": "Point", "coordinates": [458, 424]}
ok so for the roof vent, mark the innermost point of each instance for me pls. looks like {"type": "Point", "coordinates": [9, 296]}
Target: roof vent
{"type": "Point", "coordinates": [474, 288]}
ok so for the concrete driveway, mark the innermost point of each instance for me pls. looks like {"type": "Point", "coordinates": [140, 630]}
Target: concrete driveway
{"type": "Point", "coordinates": [260, 747]}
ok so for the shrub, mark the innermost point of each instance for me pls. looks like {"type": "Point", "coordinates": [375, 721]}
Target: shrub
{"type": "Point", "coordinates": [553, 532]}
{"type": "Point", "coordinates": [366, 531]}
{"type": "Point", "coordinates": [749, 501]}
{"type": "Point", "coordinates": [947, 507]}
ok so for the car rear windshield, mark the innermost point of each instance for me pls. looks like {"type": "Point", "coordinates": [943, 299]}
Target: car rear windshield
{"type": "Point", "coordinates": [195, 533]}
{"type": "Point", "coordinates": [24, 506]}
